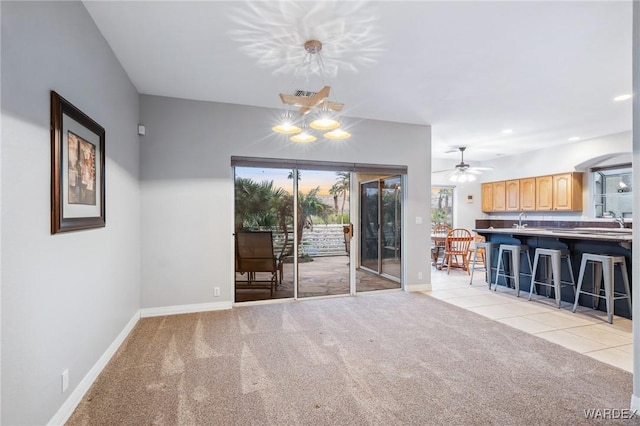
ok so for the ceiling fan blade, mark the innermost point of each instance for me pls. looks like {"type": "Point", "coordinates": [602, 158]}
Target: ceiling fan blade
{"type": "Point", "coordinates": [441, 171]}
{"type": "Point", "coordinates": [484, 169]}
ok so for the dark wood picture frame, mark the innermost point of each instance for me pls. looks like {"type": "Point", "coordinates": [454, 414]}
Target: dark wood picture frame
{"type": "Point", "coordinates": [77, 169]}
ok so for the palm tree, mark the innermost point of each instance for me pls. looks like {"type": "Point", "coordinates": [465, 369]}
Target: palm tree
{"type": "Point", "coordinates": [309, 205]}
{"type": "Point", "coordinates": [335, 192]}
{"type": "Point", "coordinates": [342, 188]}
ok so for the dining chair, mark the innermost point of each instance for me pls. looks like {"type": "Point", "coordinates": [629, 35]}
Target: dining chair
{"type": "Point", "coordinates": [438, 246]}
{"type": "Point", "coordinates": [456, 249]}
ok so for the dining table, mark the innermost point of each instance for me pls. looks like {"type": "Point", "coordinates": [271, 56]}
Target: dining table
{"type": "Point", "coordinates": [438, 245]}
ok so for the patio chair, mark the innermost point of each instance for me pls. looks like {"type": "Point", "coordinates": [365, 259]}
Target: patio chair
{"type": "Point", "coordinates": [254, 255]}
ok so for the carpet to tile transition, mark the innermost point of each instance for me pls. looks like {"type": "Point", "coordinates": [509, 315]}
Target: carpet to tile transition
{"type": "Point", "coordinates": [380, 359]}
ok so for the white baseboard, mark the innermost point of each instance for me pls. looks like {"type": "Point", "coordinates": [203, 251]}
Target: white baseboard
{"type": "Point", "coordinates": [184, 309]}
{"type": "Point", "coordinates": [76, 396]}
{"type": "Point", "coordinates": [635, 403]}
{"type": "Point", "coordinates": [418, 287]}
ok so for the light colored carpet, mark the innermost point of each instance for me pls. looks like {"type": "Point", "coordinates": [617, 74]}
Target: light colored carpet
{"type": "Point", "coordinates": [379, 359]}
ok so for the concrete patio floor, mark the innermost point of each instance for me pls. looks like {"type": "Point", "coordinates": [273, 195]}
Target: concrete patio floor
{"type": "Point", "coordinates": [323, 276]}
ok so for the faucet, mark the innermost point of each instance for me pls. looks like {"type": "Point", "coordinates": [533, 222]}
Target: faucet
{"type": "Point", "coordinates": [617, 219]}
{"type": "Point", "coordinates": [521, 216]}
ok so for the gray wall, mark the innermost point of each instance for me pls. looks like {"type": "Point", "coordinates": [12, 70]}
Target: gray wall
{"type": "Point", "coordinates": [187, 189]}
{"type": "Point", "coordinates": [65, 297]}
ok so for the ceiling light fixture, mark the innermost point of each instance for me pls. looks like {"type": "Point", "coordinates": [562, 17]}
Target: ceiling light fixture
{"type": "Point", "coordinates": [574, 138]}
{"type": "Point", "coordinates": [325, 111]}
{"type": "Point", "coordinates": [463, 172]}
{"type": "Point", "coordinates": [622, 98]}
{"type": "Point", "coordinates": [507, 131]}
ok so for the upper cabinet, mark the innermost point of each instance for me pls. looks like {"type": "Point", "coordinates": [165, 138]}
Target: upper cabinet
{"type": "Point", "coordinates": [528, 194]}
{"type": "Point", "coordinates": [512, 195]}
{"type": "Point", "coordinates": [487, 197]}
{"type": "Point", "coordinates": [499, 196]}
{"type": "Point", "coordinates": [567, 192]}
{"type": "Point", "coordinates": [561, 192]}
{"type": "Point", "coordinates": [544, 193]}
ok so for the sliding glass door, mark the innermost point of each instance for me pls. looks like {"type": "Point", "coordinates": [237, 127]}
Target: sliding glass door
{"type": "Point", "coordinates": [289, 233]}
{"type": "Point", "coordinates": [370, 225]}
{"type": "Point", "coordinates": [391, 224]}
{"type": "Point", "coordinates": [380, 233]}
{"type": "Point", "coordinates": [295, 237]}
{"type": "Point", "coordinates": [322, 214]}
{"type": "Point", "coordinates": [264, 234]}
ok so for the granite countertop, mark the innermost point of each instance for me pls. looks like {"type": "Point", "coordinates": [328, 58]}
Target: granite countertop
{"type": "Point", "coordinates": [598, 234]}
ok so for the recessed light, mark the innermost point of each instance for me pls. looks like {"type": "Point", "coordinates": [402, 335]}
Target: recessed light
{"type": "Point", "coordinates": [622, 98]}
{"type": "Point", "coordinates": [507, 131]}
{"type": "Point", "coordinates": [574, 138]}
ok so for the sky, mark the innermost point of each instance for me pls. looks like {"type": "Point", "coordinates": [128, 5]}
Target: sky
{"type": "Point", "coordinates": [309, 178]}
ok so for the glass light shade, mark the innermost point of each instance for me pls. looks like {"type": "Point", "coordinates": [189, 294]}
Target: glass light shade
{"type": "Point", "coordinates": [462, 177]}
{"type": "Point", "coordinates": [286, 125]}
{"type": "Point", "coordinates": [337, 134]}
{"type": "Point", "coordinates": [324, 122]}
{"type": "Point", "coordinates": [303, 137]}
{"type": "Point", "coordinates": [286, 128]}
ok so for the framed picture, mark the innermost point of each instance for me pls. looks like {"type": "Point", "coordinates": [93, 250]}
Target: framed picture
{"type": "Point", "coordinates": [77, 169]}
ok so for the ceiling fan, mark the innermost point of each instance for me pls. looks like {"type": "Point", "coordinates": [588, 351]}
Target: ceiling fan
{"type": "Point", "coordinates": [463, 172]}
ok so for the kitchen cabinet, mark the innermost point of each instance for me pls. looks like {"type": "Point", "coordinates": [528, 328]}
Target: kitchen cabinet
{"type": "Point", "coordinates": [499, 196]}
{"type": "Point", "coordinates": [567, 192]}
{"type": "Point", "coordinates": [512, 195]}
{"type": "Point", "coordinates": [559, 192]}
{"type": "Point", "coordinates": [544, 193]}
{"type": "Point", "coordinates": [487, 197]}
{"type": "Point", "coordinates": [528, 194]}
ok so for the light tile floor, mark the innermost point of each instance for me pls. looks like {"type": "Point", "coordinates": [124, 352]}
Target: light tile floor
{"type": "Point", "coordinates": [585, 331]}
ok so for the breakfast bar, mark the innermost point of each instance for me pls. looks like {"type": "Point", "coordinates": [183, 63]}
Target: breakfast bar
{"type": "Point", "coordinates": [578, 241]}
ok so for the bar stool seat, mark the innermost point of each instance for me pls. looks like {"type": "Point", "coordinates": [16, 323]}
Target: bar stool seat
{"type": "Point", "coordinates": [488, 249]}
{"type": "Point", "coordinates": [552, 260]}
{"type": "Point", "coordinates": [604, 268]}
{"type": "Point", "coordinates": [514, 251]}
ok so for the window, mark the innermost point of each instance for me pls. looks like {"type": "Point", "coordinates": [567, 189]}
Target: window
{"type": "Point", "coordinates": [442, 205]}
{"type": "Point", "coordinates": [612, 191]}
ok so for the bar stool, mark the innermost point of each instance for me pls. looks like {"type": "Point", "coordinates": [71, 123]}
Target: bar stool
{"type": "Point", "coordinates": [604, 267]}
{"type": "Point", "coordinates": [552, 260]}
{"type": "Point", "coordinates": [488, 249]}
{"type": "Point", "coordinates": [514, 271]}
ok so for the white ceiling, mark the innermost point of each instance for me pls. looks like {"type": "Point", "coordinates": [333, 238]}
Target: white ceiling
{"type": "Point", "coordinates": [547, 70]}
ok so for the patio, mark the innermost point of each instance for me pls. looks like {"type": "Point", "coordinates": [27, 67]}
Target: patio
{"type": "Point", "coordinates": [323, 276]}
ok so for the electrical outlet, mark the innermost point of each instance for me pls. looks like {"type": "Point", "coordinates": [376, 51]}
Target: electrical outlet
{"type": "Point", "coordinates": [65, 380]}
{"type": "Point", "coordinates": [419, 275]}
{"type": "Point", "coordinates": [216, 291]}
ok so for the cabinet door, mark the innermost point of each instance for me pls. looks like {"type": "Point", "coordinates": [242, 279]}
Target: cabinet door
{"type": "Point", "coordinates": [544, 193]}
{"type": "Point", "coordinates": [567, 192]}
{"type": "Point", "coordinates": [499, 196]}
{"type": "Point", "coordinates": [528, 194]}
{"type": "Point", "coordinates": [512, 195]}
{"type": "Point", "coordinates": [487, 197]}
{"type": "Point", "coordinates": [562, 192]}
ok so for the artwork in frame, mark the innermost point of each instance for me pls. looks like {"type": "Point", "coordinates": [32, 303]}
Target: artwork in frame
{"type": "Point", "coordinates": [77, 169]}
